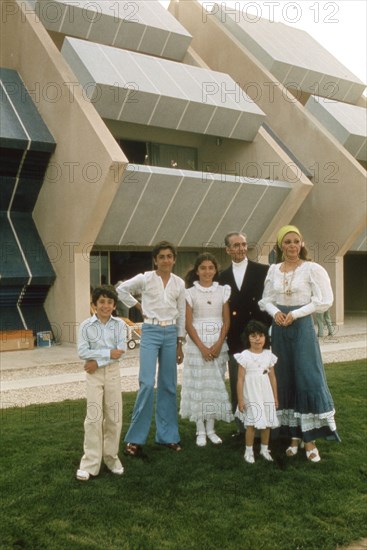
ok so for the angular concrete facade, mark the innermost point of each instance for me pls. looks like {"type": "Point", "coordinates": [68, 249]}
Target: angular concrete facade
{"type": "Point", "coordinates": [333, 215]}
{"type": "Point", "coordinates": [222, 140]}
{"type": "Point", "coordinates": [347, 123]}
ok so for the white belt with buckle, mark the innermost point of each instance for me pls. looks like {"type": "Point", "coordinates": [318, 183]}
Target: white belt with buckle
{"type": "Point", "coordinates": [160, 323]}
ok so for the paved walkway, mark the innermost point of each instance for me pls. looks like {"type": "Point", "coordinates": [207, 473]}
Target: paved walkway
{"type": "Point", "coordinates": [23, 369]}
{"type": "Point", "coordinates": [51, 374]}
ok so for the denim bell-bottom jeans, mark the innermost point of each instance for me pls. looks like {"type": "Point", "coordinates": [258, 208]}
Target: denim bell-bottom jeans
{"type": "Point", "coordinates": [157, 344]}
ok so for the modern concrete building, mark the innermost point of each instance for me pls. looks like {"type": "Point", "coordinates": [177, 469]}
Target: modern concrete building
{"type": "Point", "coordinates": [180, 125]}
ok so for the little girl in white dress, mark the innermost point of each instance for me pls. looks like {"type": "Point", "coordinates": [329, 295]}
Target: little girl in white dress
{"type": "Point", "coordinates": [204, 396]}
{"type": "Point", "coordinates": [257, 390]}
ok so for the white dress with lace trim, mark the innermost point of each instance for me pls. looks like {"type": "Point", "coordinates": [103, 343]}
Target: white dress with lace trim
{"type": "Point", "coordinates": [204, 394]}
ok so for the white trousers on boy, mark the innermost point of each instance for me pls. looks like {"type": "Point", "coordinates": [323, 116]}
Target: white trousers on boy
{"type": "Point", "coordinates": [103, 422]}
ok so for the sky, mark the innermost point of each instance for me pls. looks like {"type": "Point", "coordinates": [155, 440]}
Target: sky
{"type": "Point", "coordinates": [339, 25]}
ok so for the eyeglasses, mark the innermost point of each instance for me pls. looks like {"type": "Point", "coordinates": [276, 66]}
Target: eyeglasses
{"type": "Point", "coordinates": [238, 245]}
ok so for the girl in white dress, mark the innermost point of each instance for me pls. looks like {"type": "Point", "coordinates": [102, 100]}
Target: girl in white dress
{"type": "Point", "coordinates": [204, 396]}
{"type": "Point", "coordinates": [257, 390]}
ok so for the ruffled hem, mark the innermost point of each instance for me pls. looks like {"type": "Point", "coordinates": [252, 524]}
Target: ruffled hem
{"type": "Point", "coordinates": [307, 422]}
{"type": "Point", "coordinates": [195, 411]}
{"type": "Point", "coordinates": [199, 390]}
{"type": "Point", "coordinates": [199, 387]}
{"type": "Point", "coordinates": [261, 421]}
{"type": "Point", "coordinates": [318, 433]}
{"type": "Point", "coordinates": [204, 394]}
{"type": "Point", "coordinates": [199, 369]}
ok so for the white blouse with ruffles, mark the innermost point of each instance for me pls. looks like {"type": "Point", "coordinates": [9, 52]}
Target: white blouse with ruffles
{"type": "Point", "coordinates": [308, 287]}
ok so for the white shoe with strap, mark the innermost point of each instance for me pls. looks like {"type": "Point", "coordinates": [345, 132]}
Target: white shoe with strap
{"type": "Point", "coordinates": [201, 439]}
{"type": "Point", "coordinates": [249, 457]}
{"type": "Point", "coordinates": [293, 449]}
{"type": "Point", "coordinates": [214, 438]}
{"type": "Point", "coordinates": [266, 454]}
{"type": "Point", "coordinates": [313, 455]}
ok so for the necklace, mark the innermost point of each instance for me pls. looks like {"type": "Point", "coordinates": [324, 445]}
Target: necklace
{"type": "Point", "coordinates": [287, 283]}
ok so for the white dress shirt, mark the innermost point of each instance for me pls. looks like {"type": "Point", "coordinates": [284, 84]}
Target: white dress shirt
{"type": "Point", "coordinates": [239, 270]}
{"type": "Point", "coordinates": [164, 303]}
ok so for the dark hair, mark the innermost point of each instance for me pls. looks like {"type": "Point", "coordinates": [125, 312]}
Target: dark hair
{"type": "Point", "coordinates": [231, 234]}
{"type": "Point", "coordinates": [252, 327]}
{"type": "Point", "coordinates": [192, 275]}
{"type": "Point", "coordinates": [161, 246]}
{"type": "Point", "coordinates": [104, 290]}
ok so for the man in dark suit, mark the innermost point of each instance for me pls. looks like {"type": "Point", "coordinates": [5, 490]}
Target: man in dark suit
{"type": "Point", "coordinates": [246, 279]}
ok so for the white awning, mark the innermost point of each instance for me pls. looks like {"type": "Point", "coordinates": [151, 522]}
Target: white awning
{"type": "Point", "coordinates": [197, 208]}
{"type": "Point", "coordinates": [347, 123]}
{"type": "Point", "coordinates": [293, 57]}
{"type": "Point", "coordinates": [150, 91]}
{"type": "Point", "coordinates": [139, 25]}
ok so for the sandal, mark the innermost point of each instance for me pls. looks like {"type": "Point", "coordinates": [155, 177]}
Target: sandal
{"type": "Point", "coordinates": [293, 449]}
{"type": "Point", "coordinates": [313, 455]}
{"type": "Point", "coordinates": [173, 446]}
{"type": "Point", "coordinates": [133, 449]}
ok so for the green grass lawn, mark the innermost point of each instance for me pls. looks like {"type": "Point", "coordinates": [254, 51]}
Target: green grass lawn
{"type": "Point", "coordinates": [202, 498]}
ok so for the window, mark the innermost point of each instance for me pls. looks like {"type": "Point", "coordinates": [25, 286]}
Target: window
{"type": "Point", "coordinates": [160, 154]}
{"type": "Point", "coordinates": [99, 269]}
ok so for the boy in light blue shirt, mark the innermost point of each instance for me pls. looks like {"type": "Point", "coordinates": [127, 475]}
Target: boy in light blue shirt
{"type": "Point", "coordinates": [101, 342]}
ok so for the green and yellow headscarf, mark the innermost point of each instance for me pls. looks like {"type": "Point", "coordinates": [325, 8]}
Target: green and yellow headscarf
{"type": "Point", "coordinates": [284, 230]}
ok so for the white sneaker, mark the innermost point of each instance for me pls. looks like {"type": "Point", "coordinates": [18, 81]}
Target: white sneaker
{"type": "Point", "coordinates": [266, 454]}
{"type": "Point", "coordinates": [201, 440]}
{"type": "Point", "coordinates": [249, 457]}
{"type": "Point", "coordinates": [214, 438]}
{"type": "Point", "coordinates": [118, 471]}
{"type": "Point", "coordinates": [82, 475]}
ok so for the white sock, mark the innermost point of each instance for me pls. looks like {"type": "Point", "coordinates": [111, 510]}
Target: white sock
{"type": "Point", "coordinates": [200, 427]}
{"type": "Point", "coordinates": [210, 426]}
{"type": "Point", "coordinates": [249, 450]}
{"type": "Point", "coordinates": [264, 448]}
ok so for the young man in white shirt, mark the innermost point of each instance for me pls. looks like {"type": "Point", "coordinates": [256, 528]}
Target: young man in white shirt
{"type": "Point", "coordinates": [163, 331]}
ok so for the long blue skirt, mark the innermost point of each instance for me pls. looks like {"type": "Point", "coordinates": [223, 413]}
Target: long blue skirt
{"type": "Point", "coordinates": [306, 408]}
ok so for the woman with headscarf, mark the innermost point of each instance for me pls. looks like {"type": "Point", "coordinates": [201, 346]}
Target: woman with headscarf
{"type": "Point", "coordinates": [294, 289]}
